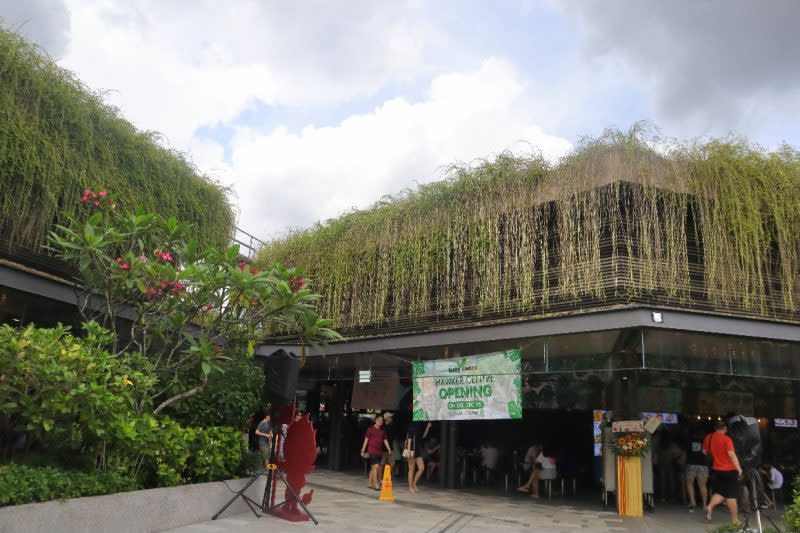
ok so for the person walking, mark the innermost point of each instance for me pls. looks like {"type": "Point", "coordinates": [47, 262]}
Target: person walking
{"type": "Point", "coordinates": [412, 451]}
{"type": "Point", "coordinates": [696, 471]}
{"type": "Point", "coordinates": [373, 446]}
{"type": "Point", "coordinates": [391, 435]}
{"type": "Point", "coordinates": [725, 471]}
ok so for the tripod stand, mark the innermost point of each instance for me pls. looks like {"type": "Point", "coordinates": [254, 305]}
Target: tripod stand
{"type": "Point", "coordinates": [241, 494]}
{"type": "Point", "coordinates": [755, 492]}
{"type": "Point", "coordinates": [271, 469]}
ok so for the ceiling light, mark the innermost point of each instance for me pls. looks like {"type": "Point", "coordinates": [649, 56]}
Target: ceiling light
{"type": "Point", "coordinates": [657, 317]}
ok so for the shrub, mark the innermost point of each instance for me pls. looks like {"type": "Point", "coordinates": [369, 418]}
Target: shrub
{"type": "Point", "coordinates": [64, 391]}
{"type": "Point", "coordinates": [792, 516]}
{"type": "Point", "coordinates": [161, 452]}
{"type": "Point", "coordinates": [23, 484]}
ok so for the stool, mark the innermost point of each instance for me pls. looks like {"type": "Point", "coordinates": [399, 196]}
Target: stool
{"type": "Point", "coordinates": [574, 483]}
{"type": "Point", "coordinates": [548, 486]}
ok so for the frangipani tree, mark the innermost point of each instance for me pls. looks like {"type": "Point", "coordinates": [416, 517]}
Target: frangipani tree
{"type": "Point", "coordinates": [186, 308]}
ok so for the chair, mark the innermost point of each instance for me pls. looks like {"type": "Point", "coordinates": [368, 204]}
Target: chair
{"type": "Point", "coordinates": [548, 487]}
{"type": "Point", "coordinates": [573, 481]}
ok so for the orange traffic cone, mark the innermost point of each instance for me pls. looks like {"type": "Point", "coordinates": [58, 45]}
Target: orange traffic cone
{"type": "Point", "coordinates": [386, 486]}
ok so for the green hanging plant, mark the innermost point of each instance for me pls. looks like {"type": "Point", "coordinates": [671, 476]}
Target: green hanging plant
{"type": "Point", "coordinates": [624, 217]}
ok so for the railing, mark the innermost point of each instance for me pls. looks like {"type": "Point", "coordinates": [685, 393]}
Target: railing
{"type": "Point", "coordinates": [248, 243]}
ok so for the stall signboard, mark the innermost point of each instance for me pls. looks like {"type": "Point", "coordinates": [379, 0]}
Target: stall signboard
{"type": "Point", "coordinates": [597, 431]}
{"type": "Point", "coordinates": [786, 423]}
{"type": "Point", "coordinates": [479, 387]}
{"type": "Point", "coordinates": [666, 418]}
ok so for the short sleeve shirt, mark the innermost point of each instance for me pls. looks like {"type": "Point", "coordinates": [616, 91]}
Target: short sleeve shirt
{"type": "Point", "coordinates": [548, 463]}
{"type": "Point", "coordinates": [264, 427]}
{"type": "Point", "coordinates": [717, 445]}
{"type": "Point", "coordinates": [375, 438]}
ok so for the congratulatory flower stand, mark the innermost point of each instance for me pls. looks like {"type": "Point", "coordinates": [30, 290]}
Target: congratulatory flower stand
{"type": "Point", "coordinates": [629, 446]}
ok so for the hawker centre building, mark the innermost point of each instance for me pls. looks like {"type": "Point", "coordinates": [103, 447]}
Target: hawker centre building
{"type": "Point", "coordinates": [627, 279]}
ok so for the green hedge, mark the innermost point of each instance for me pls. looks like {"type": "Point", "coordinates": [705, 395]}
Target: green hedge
{"type": "Point", "coordinates": [24, 484]}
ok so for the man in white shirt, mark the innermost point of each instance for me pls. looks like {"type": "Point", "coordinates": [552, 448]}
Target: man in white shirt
{"type": "Point", "coordinates": [774, 480]}
{"type": "Point", "coordinates": [530, 457]}
{"type": "Point", "coordinates": [489, 456]}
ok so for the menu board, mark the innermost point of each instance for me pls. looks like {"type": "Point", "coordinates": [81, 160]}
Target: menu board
{"type": "Point", "coordinates": [597, 417]}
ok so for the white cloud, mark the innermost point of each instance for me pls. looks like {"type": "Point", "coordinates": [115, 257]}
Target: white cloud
{"type": "Point", "coordinates": [286, 178]}
{"type": "Point", "coordinates": [180, 65]}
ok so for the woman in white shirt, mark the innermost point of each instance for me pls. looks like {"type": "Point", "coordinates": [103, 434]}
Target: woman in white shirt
{"type": "Point", "coordinates": [544, 468]}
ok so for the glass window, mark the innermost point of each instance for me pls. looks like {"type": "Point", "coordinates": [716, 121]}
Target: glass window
{"type": "Point", "coordinates": [721, 354]}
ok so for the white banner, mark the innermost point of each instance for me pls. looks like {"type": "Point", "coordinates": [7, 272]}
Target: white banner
{"type": "Point", "coordinates": [469, 388]}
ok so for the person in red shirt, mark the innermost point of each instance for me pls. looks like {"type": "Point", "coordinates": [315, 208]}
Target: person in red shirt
{"type": "Point", "coordinates": [725, 471]}
{"type": "Point", "coordinates": [374, 442]}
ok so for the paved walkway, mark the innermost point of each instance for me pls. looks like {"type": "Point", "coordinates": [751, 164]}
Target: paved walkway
{"type": "Point", "coordinates": [342, 503]}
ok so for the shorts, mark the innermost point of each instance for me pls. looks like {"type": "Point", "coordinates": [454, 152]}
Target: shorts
{"type": "Point", "coordinates": [375, 458]}
{"type": "Point", "coordinates": [725, 483]}
{"type": "Point", "coordinates": [696, 472]}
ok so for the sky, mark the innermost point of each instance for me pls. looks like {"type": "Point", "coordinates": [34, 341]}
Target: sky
{"type": "Point", "coordinates": [308, 109]}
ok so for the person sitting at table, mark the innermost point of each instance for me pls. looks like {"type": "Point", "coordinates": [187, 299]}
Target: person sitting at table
{"type": "Point", "coordinates": [530, 457]}
{"type": "Point", "coordinates": [544, 468]}
{"type": "Point", "coordinates": [774, 481]}
{"type": "Point", "coordinates": [489, 457]}
{"type": "Point", "coordinates": [433, 452]}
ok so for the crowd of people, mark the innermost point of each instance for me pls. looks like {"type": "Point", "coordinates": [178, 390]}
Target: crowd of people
{"type": "Point", "coordinates": [386, 444]}
{"type": "Point", "coordinates": [705, 472]}
{"type": "Point", "coordinates": [701, 470]}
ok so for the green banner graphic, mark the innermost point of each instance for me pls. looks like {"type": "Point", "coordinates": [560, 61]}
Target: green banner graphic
{"type": "Point", "coordinates": [479, 387]}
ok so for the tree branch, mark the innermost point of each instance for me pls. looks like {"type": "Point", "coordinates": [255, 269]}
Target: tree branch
{"type": "Point", "coordinates": [181, 396]}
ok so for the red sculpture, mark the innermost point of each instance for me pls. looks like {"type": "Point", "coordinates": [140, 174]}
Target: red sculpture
{"type": "Point", "coordinates": [299, 454]}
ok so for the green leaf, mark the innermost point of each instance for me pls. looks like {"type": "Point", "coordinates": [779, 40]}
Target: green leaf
{"type": "Point", "coordinates": [206, 367]}
{"type": "Point", "coordinates": [250, 348]}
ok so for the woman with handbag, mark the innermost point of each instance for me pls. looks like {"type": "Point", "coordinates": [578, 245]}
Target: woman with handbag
{"type": "Point", "coordinates": [413, 453]}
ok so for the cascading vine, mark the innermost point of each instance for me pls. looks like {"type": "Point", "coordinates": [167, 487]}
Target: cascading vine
{"type": "Point", "coordinates": [626, 214]}
{"type": "Point", "coordinates": [58, 137]}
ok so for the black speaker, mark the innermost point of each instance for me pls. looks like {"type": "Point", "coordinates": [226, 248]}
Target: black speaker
{"type": "Point", "coordinates": [622, 399]}
{"type": "Point", "coordinates": [746, 437]}
{"type": "Point", "coordinates": [281, 370]}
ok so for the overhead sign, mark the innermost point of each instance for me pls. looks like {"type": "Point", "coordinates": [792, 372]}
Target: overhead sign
{"type": "Point", "coordinates": [786, 423]}
{"type": "Point", "coordinates": [379, 392]}
{"type": "Point", "coordinates": [666, 418]}
{"type": "Point", "coordinates": [479, 387]}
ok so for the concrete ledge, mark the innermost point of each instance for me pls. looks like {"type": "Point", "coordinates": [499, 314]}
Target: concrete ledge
{"type": "Point", "coordinates": [141, 511]}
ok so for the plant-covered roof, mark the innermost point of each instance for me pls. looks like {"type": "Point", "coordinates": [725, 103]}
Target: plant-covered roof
{"type": "Point", "coordinates": [57, 137]}
{"type": "Point", "coordinates": [512, 235]}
